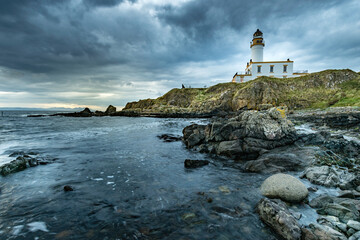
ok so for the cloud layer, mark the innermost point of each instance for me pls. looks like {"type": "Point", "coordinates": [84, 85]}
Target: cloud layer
{"type": "Point", "coordinates": [96, 52]}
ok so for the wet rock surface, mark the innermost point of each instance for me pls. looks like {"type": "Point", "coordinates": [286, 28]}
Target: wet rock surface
{"type": "Point", "coordinates": [243, 137]}
{"type": "Point", "coordinates": [23, 161]}
{"type": "Point", "coordinates": [169, 137]}
{"type": "Point", "coordinates": [188, 163]}
{"type": "Point", "coordinates": [276, 214]}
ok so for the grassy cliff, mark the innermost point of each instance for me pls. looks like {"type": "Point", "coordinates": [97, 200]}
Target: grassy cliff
{"type": "Point", "coordinates": [315, 90]}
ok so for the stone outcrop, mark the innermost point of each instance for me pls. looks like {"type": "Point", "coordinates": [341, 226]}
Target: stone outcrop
{"type": "Point", "coordinates": [245, 136]}
{"type": "Point", "coordinates": [22, 162]}
{"type": "Point", "coordinates": [275, 214]}
{"type": "Point", "coordinates": [285, 187]}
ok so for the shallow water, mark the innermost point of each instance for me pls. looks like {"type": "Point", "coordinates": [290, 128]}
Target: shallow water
{"type": "Point", "coordinates": [128, 184]}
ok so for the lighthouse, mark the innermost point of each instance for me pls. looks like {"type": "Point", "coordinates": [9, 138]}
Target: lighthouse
{"type": "Point", "coordinates": [257, 47]}
{"type": "Point", "coordinates": [257, 67]}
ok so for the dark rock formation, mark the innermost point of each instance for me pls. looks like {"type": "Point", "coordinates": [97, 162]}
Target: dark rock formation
{"type": "Point", "coordinates": [188, 163]}
{"type": "Point", "coordinates": [342, 118]}
{"type": "Point", "coordinates": [68, 188]}
{"type": "Point", "coordinates": [276, 214]}
{"type": "Point", "coordinates": [22, 162]}
{"type": "Point", "coordinates": [110, 110]}
{"type": "Point", "coordinates": [243, 137]}
{"type": "Point", "coordinates": [282, 159]}
{"type": "Point", "coordinates": [169, 137]}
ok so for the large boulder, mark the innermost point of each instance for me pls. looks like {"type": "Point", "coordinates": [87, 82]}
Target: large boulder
{"type": "Point", "coordinates": [245, 136]}
{"type": "Point", "coordinates": [285, 187]}
{"type": "Point", "coordinates": [275, 214]}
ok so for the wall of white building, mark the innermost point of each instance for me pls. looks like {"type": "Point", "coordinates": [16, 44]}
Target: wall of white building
{"type": "Point", "coordinates": [278, 70]}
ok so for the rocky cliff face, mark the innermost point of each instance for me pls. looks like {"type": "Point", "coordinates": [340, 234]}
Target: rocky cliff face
{"type": "Point", "coordinates": [322, 89]}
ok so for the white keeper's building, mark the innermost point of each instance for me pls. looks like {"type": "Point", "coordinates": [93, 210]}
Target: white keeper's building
{"type": "Point", "coordinates": [257, 67]}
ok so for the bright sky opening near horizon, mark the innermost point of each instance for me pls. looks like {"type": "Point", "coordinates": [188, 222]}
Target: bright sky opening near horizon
{"type": "Point", "coordinates": [77, 53]}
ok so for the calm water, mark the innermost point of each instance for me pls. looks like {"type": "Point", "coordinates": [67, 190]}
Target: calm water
{"type": "Point", "coordinates": [128, 183]}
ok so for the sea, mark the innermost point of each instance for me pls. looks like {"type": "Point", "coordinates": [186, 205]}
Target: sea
{"type": "Point", "coordinates": [128, 183]}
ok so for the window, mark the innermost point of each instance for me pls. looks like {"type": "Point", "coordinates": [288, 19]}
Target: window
{"type": "Point", "coordinates": [285, 68]}
{"type": "Point", "coordinates": [271, 68]}
{"type": "Point", "coordinates": [259, 69]}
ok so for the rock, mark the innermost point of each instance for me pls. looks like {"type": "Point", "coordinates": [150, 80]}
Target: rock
{"type": "Point", "coordinates": [281, 159]}
{"type": "Point", "coordinates": [285, 187]}
{"type": "Point", "coordinates": [230, 149]}
{"type": "Point", "coordinates": [245, 136]}
{"type": "Point", "coordinates": [110, 110]}
{"type": "Point", "coordinates": [193, 135]}
{"type": "Point", "coordinates": [358, 188]}
{"type": "Point", "coordinates": [355, 236]}
{"type": "Point", "coordinates": [331, 177]}
{"type": "Point", "coordinates": [312, 189]}
{"type": "Point", "coordinates": [188, 163]}
{"type": "Point", "coordinates": [354, 224]}
{"type": "Point", "coordinates": [169, 137]}
{"type": "Point", "coordinates": [275, 214]}
{"type": "Point", "coordinates": [323, 232]}
{"type": "Point", "coordinates": [349, 194]}
{"type": "Point", "coordinates": [188, 216]}
{"type": "Point", "coordinates": [21, 163]}
{"type": "Point", "coordinates": [342, 212]}
{"type": "Point", "coordinates": [68, 188]}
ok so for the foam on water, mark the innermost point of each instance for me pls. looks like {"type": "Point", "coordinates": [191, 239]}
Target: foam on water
{"type": "Point", "coordinates": [37, 226]}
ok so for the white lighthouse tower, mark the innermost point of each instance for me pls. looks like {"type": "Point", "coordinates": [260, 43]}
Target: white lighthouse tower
{"type": "Point", "coordinates": [257, 47]}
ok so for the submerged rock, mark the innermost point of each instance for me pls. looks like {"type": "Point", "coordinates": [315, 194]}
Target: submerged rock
{"type": "Point", "coordinates": [68, 188]}
{"type": "Point", "coordinates": [275, 214]}
{"type": "Point", "coordinates": [285, 187]}
{"type": "Point", "coordinates": [243, 137]}
{"type": "Point", "coordinates": [169, 137]}
{"type": "Point", "coordinates": [188, 163]}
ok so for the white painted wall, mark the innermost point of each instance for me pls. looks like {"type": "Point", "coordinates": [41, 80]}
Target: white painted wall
{"type": "Point", "coordinates": [265, 70]}
{"type": "Point", "coordinates": [257, 53]}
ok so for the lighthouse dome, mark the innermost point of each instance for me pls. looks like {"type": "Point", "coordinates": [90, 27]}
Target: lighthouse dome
{"type": "Point", "coordinates": [258, 33]}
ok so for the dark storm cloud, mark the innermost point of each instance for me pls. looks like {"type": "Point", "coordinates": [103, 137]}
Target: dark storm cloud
{"type": "Point", "coordinates": [105, 46]}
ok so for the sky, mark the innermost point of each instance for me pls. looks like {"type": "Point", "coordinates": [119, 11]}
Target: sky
{"type": "Point", "coordinates": [77, 53]}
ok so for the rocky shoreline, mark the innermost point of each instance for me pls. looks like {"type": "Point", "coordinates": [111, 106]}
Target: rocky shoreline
{"type": "Point", "coordinates": [267, 142]}
{"type": "Point", "coordinates": [271, 141]}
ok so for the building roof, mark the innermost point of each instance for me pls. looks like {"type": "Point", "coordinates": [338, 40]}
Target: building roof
{"type": "Point", "coordinates": [258, 33]}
